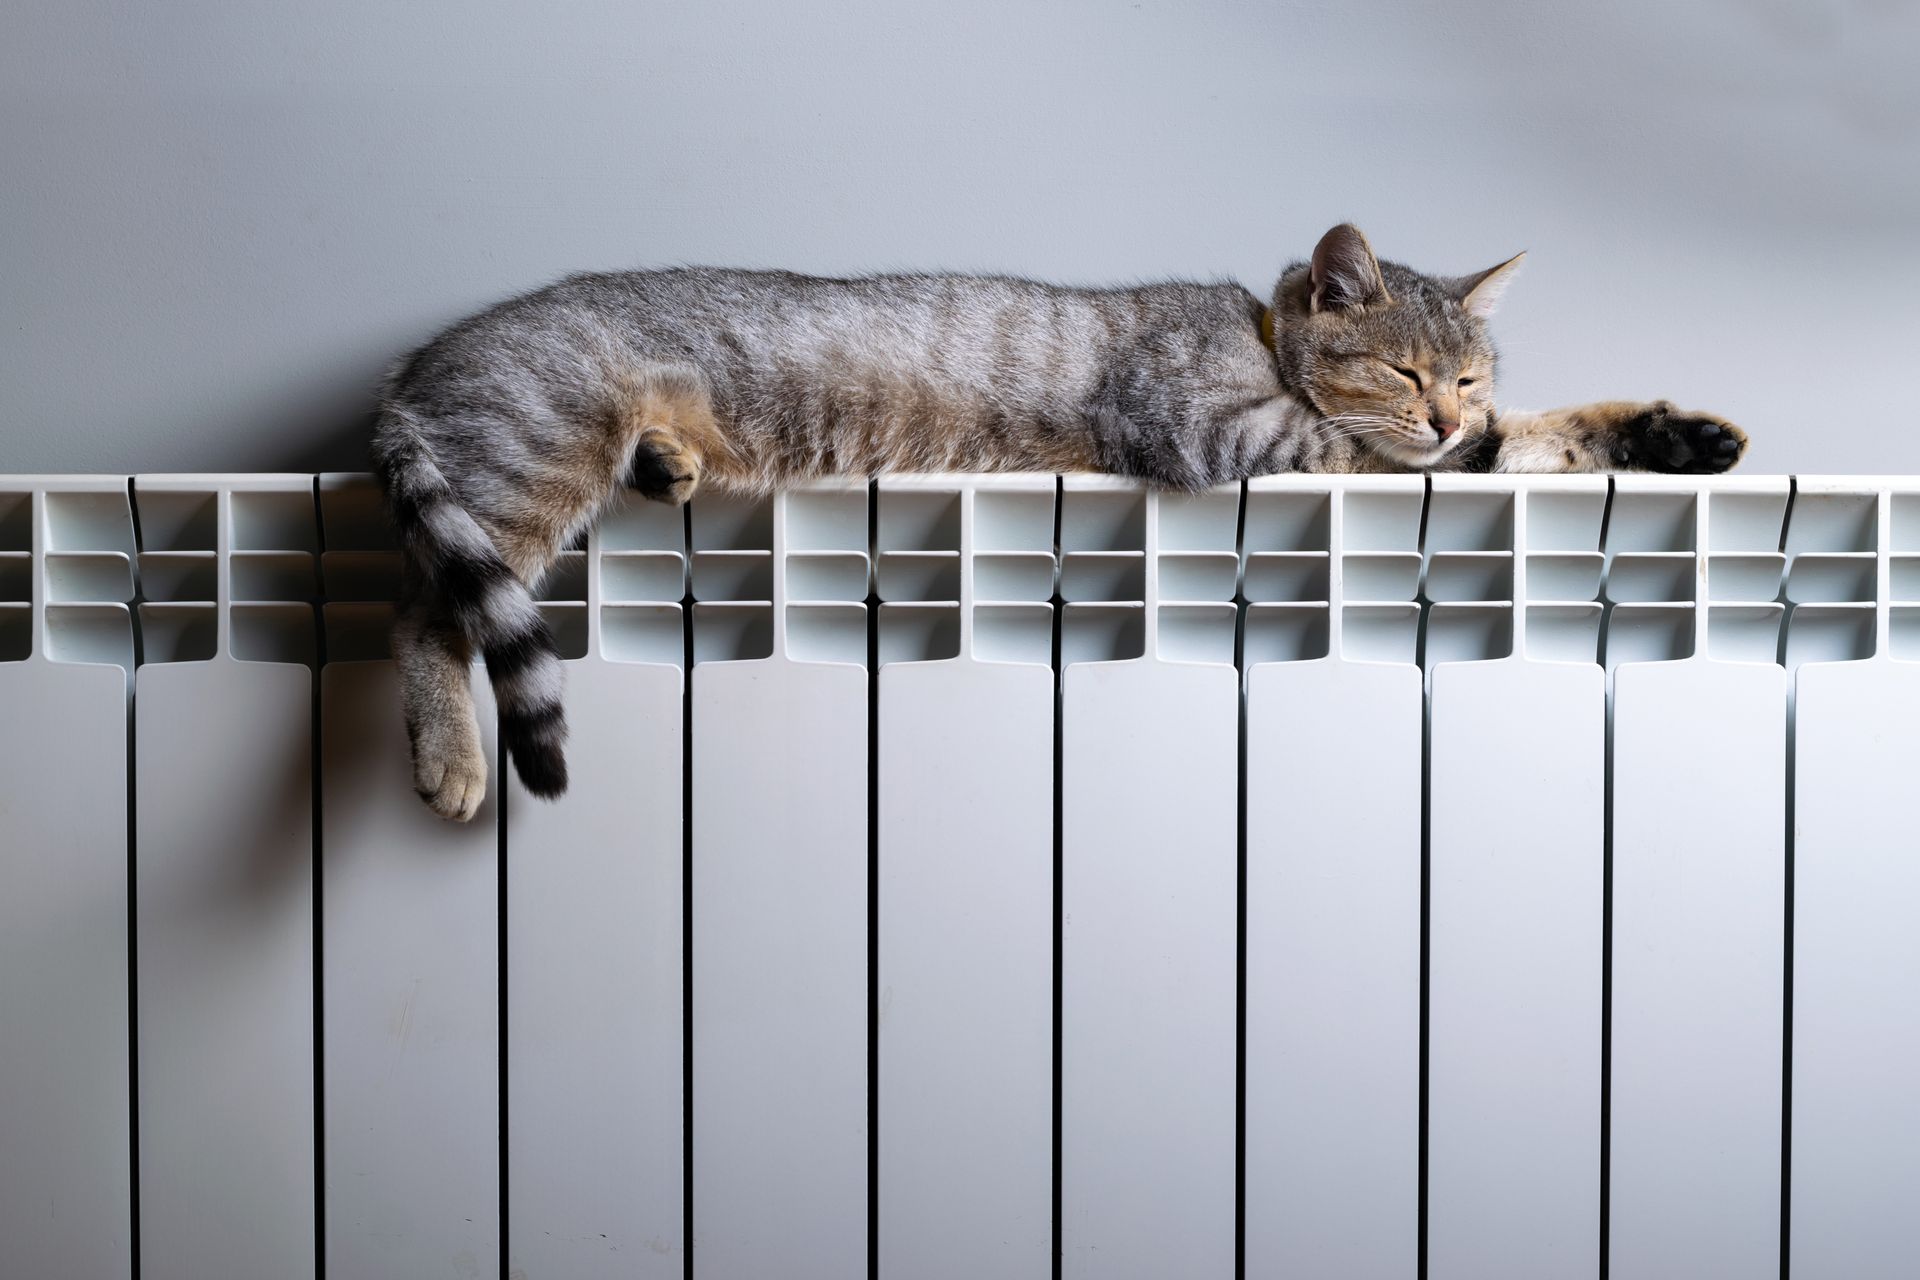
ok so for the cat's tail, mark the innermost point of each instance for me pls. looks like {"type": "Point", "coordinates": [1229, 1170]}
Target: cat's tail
{"type": "Point", "coordinates": [469, 583]}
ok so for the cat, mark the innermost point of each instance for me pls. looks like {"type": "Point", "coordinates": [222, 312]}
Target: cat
{"type": "Point", "coordinates": [500, 440]}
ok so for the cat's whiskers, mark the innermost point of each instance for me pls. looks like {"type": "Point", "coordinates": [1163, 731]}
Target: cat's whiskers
{"type": "Point", "coordinates": [1353, 426]}
{"type": "Point", "coordinates": [1354, 421]}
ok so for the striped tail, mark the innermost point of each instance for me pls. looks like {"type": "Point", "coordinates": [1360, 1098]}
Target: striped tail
{"type": "Point", "coordinates": [468, 581]}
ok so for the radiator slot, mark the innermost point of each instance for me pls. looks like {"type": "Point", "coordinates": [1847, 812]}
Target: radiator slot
{"type": "Point", "coordinates": [1285, 633]}
{"type": "Point", "coordinates": [78, 576]}
{"type": "Point", "coordinates": [732, 632]}
{"type": "Point", "coordinates": [16, 521]}
{"type": "Point", "coordinates": [1829, 633]}
{"type": "Point", "coordinates": [1013, 633]}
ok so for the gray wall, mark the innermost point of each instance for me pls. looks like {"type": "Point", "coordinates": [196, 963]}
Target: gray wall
{"type": "Point", "coordinates": [222, 219]}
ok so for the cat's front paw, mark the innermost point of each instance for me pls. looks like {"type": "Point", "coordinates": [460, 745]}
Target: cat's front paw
{"type": "Point", "coordinates": [1679, 441]}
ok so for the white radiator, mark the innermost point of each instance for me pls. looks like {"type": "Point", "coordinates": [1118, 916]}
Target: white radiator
{"type": "Point", "coordinates": [1303, 879]}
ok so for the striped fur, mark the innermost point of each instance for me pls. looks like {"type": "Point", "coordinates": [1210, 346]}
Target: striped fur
{"type": "Point", "coordinates": [453, 566]}
{"type": "Point", "coordinates": [504, 437]}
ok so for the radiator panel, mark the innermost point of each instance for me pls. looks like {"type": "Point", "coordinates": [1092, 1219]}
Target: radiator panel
{"type": "Point", "coordinates": [65, 1106]}
{"type": "Point", "coordinates": [1335, 714]}
{"type": "Point", "coordinates": [1699, 899]}
{"type": "Point", "coordinates": [1149, 869]}
{"type": "Point", "coordinates": [1517, 798]}
{"type": "Point", "coordinates": [66, 1138]}
{"type": "Point", "coordinates": [964, 806]}
{"type": "Point", "coordinates": [965, 1013]}
{"type": "Point", "coordinates": [1148, 887]}
{"type": "Point", "coordinates": [224, 876]}
{"type": "Point", "coordinates": [1516, 751]}
{"type": "Point", "coordinates": [780, 969]}
{"type": "Point", "coordinates": [411, 1002]}
{"type": "Point", "coordinates": [594, 976]}
{"type": "Point", "coordinates": [1856, 967]}
{"type": "Point", "coordinates": [1333, 969]}
{"type": "Point", "coordinates": [780, 983]}
{"type": "Point", "coordinates": [225, 918]}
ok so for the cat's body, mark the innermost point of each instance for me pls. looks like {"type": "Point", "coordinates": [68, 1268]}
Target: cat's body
{"type": "Point", "coordinates": [505, 436]}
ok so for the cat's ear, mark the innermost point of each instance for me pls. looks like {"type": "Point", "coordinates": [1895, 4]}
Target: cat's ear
{"type": "Point", "coordinates": [1345, 272]}
{"type": "Point", "coordinates": [1479, 293]}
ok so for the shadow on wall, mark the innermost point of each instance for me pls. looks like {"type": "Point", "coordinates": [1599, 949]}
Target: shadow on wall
{"type": "Point", "coordinates": [334, 444]}
{"type": "Point", "coordinates": [323, 425]}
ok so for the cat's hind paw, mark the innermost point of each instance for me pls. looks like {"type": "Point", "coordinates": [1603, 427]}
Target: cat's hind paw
{"type": "Point", "coordinates": [453, 783]}
{"type": "Point", "coordinates": [664, 468]}
{"type": "Point", "coordinates": [1681, 442]}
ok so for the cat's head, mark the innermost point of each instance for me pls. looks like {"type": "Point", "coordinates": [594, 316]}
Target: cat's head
{"type": "Point", "coordinates": [1399, 361]}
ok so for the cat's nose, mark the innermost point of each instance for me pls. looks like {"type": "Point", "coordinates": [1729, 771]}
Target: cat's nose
{"type": "Point", "coordinates": [1444, 428]}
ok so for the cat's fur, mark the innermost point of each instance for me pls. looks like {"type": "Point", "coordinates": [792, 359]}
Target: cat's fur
{"type": "Point", "coordinates": [502, 439]}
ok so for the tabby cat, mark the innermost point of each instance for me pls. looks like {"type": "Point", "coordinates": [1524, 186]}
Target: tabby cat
{"type": "Point", "coordinates": [501, 439]}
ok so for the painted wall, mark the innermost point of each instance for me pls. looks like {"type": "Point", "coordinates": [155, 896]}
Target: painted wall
{"type": "Point", "coordinates": [222, 219]}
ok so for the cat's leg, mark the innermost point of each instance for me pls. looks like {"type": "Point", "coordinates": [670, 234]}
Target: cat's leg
{"type": "Point", "coordinates": [1279, 434]}
{"type": "Point", "coordinates": [434, 643]}
{"type": "Point", "coordinates": [676, 438]}
{"type": "Point", "coordinates": [665, 467]}
{"type": "Point", "coordinates": [1612, 435]}
{"type": "Point", "coordinates": [1204, 446]}
{"type": "Point", "coordinates": [432, 657]}
{"type": "Point", "coordinates": [1163, 456]}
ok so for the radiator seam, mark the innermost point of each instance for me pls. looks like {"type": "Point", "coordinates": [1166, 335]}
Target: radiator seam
{"type": "Point", "coordinates": [1426, 884]}
{"type": "Point", "coordinates": [133, 905]}
{"type": "Point", "coordinates": [1606, 907]}
{"type": "Point", "coordinates": [1786, 977]}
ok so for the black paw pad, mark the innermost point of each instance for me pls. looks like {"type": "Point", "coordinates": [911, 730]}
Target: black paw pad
{"type": "Point", "coordinates": [652, 475]}
{"type": "Point", "coordinates": [1666, 439]}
